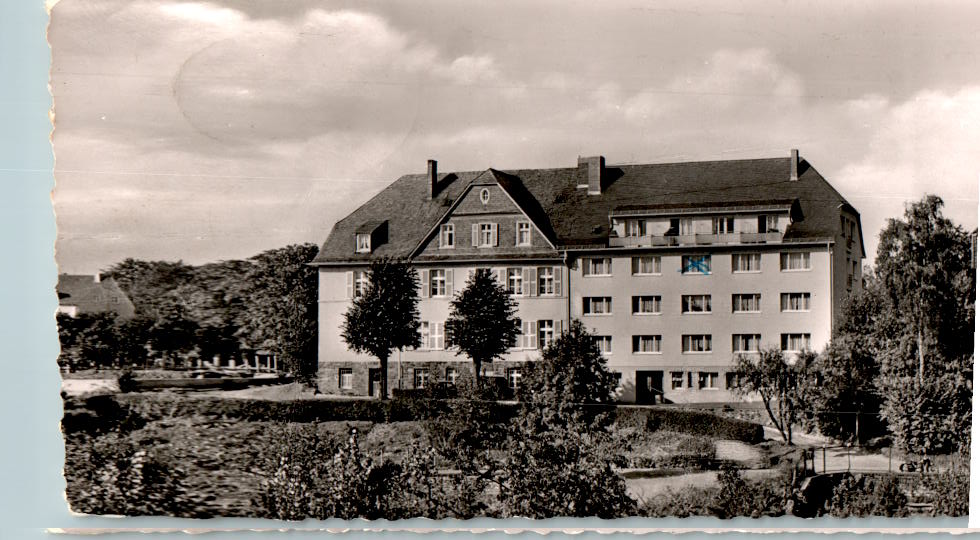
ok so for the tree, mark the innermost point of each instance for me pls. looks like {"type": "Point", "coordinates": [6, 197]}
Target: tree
{"type": "Point", "coordinates": [782, 384]}
{"type": "Point", "coordinates": [172, 334]}
{"type": "Point", "coordinates": [147, 283]}
{"type": "Point", "coordinates": [386, 317]}
{"type": "Point", "coordinates": [556, 463]}
{"type": "Point", "coordinates": [280, 313]}
{"type": "Point", "coordinates": [483, 321]}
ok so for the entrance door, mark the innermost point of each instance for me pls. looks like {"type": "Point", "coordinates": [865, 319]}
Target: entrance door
{"type": "Point", "coordinates": [649, 387]}
{"type": "Point", "coordinates": [374, 382]}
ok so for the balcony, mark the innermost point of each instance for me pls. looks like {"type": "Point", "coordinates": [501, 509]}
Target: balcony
{"type": "Point", "coordinates": [695, 239]}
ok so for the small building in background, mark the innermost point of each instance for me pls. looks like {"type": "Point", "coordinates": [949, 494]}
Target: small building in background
{"type": "Point", "coordinates": [89, 294]}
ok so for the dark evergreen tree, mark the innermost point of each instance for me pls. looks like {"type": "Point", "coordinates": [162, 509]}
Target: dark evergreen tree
{"type": "Point", "coordinates": [483, 321]}
{"type": "Point", "coordinates": [386, 317]}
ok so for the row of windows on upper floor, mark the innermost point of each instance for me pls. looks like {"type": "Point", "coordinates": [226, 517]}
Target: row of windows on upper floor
{"type": "Point", "coordinates": [792, 261]}
{"type": "Point", "coordinates": [719, 225]}
{"type": "Point", "coordinates": [546, 280]}
{"type": "Point", "coordinates": [485, 235]}
{"type": "Point", "coordinates": [696, 303]}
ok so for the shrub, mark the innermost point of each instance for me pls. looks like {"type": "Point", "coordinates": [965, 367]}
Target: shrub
{"type": "Point", "coordinates": [693, 422]}
{"type": "Point", "coordinates": [951, 493]}
{"type": "Point", "coordinates": [866, 495]}
{"type": "Point", "coordinates": [692, 501]}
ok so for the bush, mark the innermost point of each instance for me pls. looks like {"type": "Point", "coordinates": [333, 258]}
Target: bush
{"type": "Point", "coordinates": [951, 493]}
{"type": "Point", "coordinates": [866, 495]}
{"type": "Point", "coordinates": [691, 421]}
{"type": "Point", "coordinates": [733, 497]}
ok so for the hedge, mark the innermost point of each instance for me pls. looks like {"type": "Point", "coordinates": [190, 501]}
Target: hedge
{"type": "Point", "coordinates": [694, 422]}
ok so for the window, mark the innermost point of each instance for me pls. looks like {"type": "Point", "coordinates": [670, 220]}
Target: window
{"type": "Point", "coordinates": [795, 342]}
{"type": "Point", "coordinates": [603, 343]}
{"type": "Point", "coordinates": [597, 305]}
{"type": "Point", "coordinates": [685, 226]}
{"type": "Point", "coordinates": [676, 380]}
{"type": "Point", "coordinates": [746, 262]}
{"type": "Point", "coordinates": [731, 380]}
{"type": "Point", "coordinates": [420, 377]}
{"type": "Point", "coordinates": [723, 225]}
{"type": "Point", "coordinates": [597, 266]}
{"type": "Point", "coordinates": [768, 223]}
{"type": "Point", "coordinates": [437, 283]}
{"type": "Point", "coordinates": [646, 344]}
{"type": "Point", "coordinates": [345, 378]}
{"type": "Point", "coordinates": [548, 281]}
{"type": "Point", "coordinates": [699, 343]}
{"type": "Point", "coordinates": [515, 281]}
{"type": "Point", "coordinates": [636, 227]}
{"type": "Point", "coordinates": [433, 335]}
{"type": "Point", "coordinates": [452, 375]}
{"type": "Point", "coordinates": [696, 303]}
{"type": "Point", "coordinates": [514, 378]}
{"type": "Point", "coordinates": [485, 235]}
{"type": "Point", "coordinates": [746, 303]}
{"type": "Point", "coordinates": [447, 235]}
{"type": "Point", "coordinates": [646, 305]}
{"type": "Point", "coordinates": [360, 283]}
{"type": "Point", "coordinates": [746, 343]}
{"type": "Point", "coordinates": [529, 335]}
{"type": "Point", "coordinates": [363, 243]}
{"type": "Point", "coordinates": [794, 261]}
{"type": "Point", "coordinates": [646, 264]}
{"type": "Point", "coordinates": [546, 333]}
{"type": "Point", "coordinates": [485, 196]}
{"type": "Point", "coordinates": [794, 302]}
{"type": "Point", "coordinates": [707, 380]}
{"type": "Point", "coordinates": [523, 234]}
{"type": "Point", "coordinates": [696, 264]}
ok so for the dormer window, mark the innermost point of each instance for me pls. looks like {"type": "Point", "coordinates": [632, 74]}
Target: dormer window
{"type": "Point", "coordinates": [723, 225]}
{"type": "Point", "coordinates": [363, 244]}
{"type": "Point", "coordinates": [636, 227]}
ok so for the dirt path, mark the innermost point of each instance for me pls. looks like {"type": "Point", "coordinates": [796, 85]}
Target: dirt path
{"type": "Point", "coordinates": [737, 451]}
{"type": "Point", "coordinates": [79, 387]}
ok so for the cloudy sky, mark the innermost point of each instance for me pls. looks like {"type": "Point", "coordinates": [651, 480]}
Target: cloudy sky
{"type": "Point", "coordinates": [212, 130]}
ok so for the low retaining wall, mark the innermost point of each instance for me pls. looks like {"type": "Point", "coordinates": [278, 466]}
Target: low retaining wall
{"type": "Point", "coordinates": [223, 383]}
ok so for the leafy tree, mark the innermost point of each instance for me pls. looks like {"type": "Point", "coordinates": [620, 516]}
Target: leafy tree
{"type": "Point", "coordinates": [132, 336]}
{"type": "Point", "coordinates": [97, 339]}
{"type": "Point", "coordinates": [148, 283]}
{"type": "Point", "coordinates": [386, 317]}
{"type": "Point", "coordinates": [281, 305]}
{"type": "Point", "coordinates": [846, 399]}
{"type": "Point", "coordinates": [483, 321]}
{"type": "Point", "coordinates": [783, 385]}
{"type": "Point", "coordinates": [172, 334]}
{"type": "Point", "coordinates": [556, 461]}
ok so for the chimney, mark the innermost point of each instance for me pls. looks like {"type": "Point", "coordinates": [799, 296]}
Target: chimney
{"type": "Point", "coordinates": [433, 178]}
{"type": "Point", "coordinates": [794, 165]}
{"type": "Point", "coordinates": [597, 165]}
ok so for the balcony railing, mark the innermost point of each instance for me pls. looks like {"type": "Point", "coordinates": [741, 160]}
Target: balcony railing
{"type": "Point", "coordinates": [695, 239]}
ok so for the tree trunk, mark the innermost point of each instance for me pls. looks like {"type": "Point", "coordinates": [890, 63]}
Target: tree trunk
{"type": "Point", "coordinates": [922, 358]}
{"type": "Point", "coordinates": [384, 377]}
{"type": "Point", "coordinates": [477, 366]}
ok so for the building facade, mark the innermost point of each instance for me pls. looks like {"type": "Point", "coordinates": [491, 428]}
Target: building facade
{"type": "Point", "coordinates": [676, 268]}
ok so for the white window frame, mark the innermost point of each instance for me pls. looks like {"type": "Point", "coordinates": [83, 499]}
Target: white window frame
{"type": "Point", "coordinates": [708, 380]}
{"type": "Point", "coordinates": [689, 269]}
{"type": "Point", "coordinates": [361, 282]}
{"type": "Point", "coordinates": [605, 267]}
{"type": "Point", "coordinates": [487, 235]}
{"type": "Point", "coordinates": [420, 378]}
{"type": "Point", "coordinates": [785, 340]}
{"type": "Point", "coordinates": [685, 226]}
{"type": "Point", "coordinates": [676, 380]}
{"type": "Point", "coordinates": [603, 343]}
{"type": "Point", "coordinates": [690, 301]}
{"type": "Point", "coordinates": [452, 375]}
{"type": "Point", "coordinates": [640, 342]}
{"type": "Point", "coordinates": [636, 228]}
{"type": "Point", "coordinates": [345, 378]}
{"type": "Point", "coordinates": [438, 284]}
{"type": "Point", "coordinates": [433, 335]}
{"type": "Point", "coordinates": [755, 263]}
{"type": "Point", "coordinates": [362, 243]}
{"type": "Point", "coordinates": [514, 378]}
{"type": "Point", "coordinates": [739, 341]}
{"type": "Point", "coordinates": [736, 304]}
{"type": "Point", "coordinates": [786, 261]}
{"type": "Point", "coordinates": [688, 342]}
{"type": "Point", "coordinates": [522, 234]}
{"type": "Point", "coordinates": [546, 281]}
{"type": "Point", "coordinates": [637, 304]}
{"type": "Point", "coordinates": [786, 301]}
{"type": "Point", "coordinates": [723, 225]}
{"type": "Point", "coordinates": [546, 333]}
{"type": "Point", "coordinates": [637, 264]}
{"type": "Point", "coordinates": [515, 281]}
{"type": "Point", "coordinates": [597, 306]}
{"type": "Point", "coordinates": [447, 236]}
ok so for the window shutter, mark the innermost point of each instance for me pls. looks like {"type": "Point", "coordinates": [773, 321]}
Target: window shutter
{"type": "Point", "coordinates": [425, 283]}
{"type": "Point", "coordinates": [557, 271]}
{"type": "Point", "coordinates": [517, 233]}
{"type": "Point", "coordinates": [350, 285]}
{"type": "Point", "coordinates": [449, 282]}
{"type": "Point", "coordinates": [476, 235]}
{"type": "Point", "coordinates": [502, 277]}
{"type": "Point", "coordinates": [533, 273]}
{"type": "Point", "coordinates": [525, 333]}
{"type": "Point", "coordinates": [493, 234]}
{"type": "Point", "coordinates": [425, 335]}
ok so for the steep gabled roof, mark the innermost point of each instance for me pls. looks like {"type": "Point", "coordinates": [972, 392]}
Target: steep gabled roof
{"type": "Point", "coordinates": [569, 217]}
{"type": "Point", "coordinates": [91, 296]}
